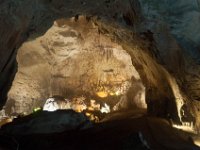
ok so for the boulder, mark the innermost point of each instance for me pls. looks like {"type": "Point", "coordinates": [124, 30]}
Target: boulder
{"type": "Point", "coordinates": [47, 122]}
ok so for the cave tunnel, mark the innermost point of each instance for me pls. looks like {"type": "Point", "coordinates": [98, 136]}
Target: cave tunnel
{"type": "Point", "coordinates": [70, 71]}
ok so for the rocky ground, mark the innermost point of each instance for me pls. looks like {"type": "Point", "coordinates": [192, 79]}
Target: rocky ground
{"type": "Point", "coordinates": [127, 131]}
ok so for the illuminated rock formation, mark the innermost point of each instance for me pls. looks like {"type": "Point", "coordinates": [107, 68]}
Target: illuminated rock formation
{"type": "Point", "coordinates": [161, 38]}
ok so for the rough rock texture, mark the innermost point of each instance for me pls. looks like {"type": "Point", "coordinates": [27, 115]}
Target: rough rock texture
{"type": "Point", "coordinates": [135, 98]}
{"type": "Point", "coordinates": [161, 37]}
{"type": "Point", "coordinates": [71, 58]}
{"type": "Point", "coordinates": [138, 133]}
{"type": "Point", "coordinates": [176, 32]}
{"type": "Point", "coordinates": [47, 122]}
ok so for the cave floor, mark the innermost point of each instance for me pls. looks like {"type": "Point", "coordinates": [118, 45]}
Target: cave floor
{"type": "Point", "coordinates": [138, 132]}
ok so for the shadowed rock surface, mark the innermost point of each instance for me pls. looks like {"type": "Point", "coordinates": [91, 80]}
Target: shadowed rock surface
{"type": "Point", "coordinates": [161, 38]}
{"type": "Point", "coordinates": [130, 132]}
{"type": "Point", "coordinates": [44, 122]}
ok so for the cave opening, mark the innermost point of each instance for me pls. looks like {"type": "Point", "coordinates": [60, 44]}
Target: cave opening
{"type": "Point", "coordinates": [82, 63]}
{"type": "Point", "coordinates": [74, 66]}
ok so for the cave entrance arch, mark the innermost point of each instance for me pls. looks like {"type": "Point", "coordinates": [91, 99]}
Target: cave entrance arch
{"type": "Point", "coordinates": [74, 59]}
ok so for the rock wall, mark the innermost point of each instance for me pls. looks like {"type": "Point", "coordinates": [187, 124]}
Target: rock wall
{"type": "Point", "coordinates": [70, 59]}
{"type": "Point", "coordinates": [176, 31]}
{"type": "Point", "coordinates": [161, 36]}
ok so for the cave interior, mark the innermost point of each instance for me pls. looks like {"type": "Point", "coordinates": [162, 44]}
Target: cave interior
{"type": "Point", "coordinates": [77, 77]}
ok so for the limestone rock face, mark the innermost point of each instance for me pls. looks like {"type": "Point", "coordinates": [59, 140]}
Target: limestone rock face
{"type": "Point", "coordinates": [175, 28]}
{"type": "Point", "coordinates": [135, 98]}
{"type": "Point", "coordinates": [71, 58]}
{"type": "Point", "coordinates": [176, 31]}
{"type": "Point", "coordinates": [160, 36]}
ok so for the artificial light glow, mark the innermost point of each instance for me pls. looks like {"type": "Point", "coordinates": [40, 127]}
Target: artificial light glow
{"type": "Point", "coordinates": [93, 106]}
{"type": "Point", "coordinates": [186, 128]}
{"type": "Point", "coordinates": [87, 114]}
{"type": "Point", "coordinates": [176, 92]}
{"type": "Point", "coordinates": [78, 105]}
{"type": "Point", "coordinates": [112, 94]}
{"type": "Point", "coordinates": [117, 93]}
{"type": "Point", "coordinates": [102, 94]}
{"type": "Point", "coordinates": [50, 105]}
{"type": "Point", "coordinates": [36, 109]}
{"type": "Point", "coordinates": [197, 142]}
{"type": "Point", "coordinates": [5, 121]}
{"type": "Point", "coordinates": [105, 109]}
